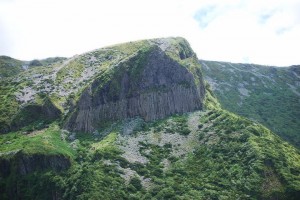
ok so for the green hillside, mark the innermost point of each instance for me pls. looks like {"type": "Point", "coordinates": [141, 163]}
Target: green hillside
{"type": "Point", "coordinates": [269, 95]}
{"type": "Point", "coordinates": [211, 154]}
{"type": "Point", "coordinates": [9, 67]}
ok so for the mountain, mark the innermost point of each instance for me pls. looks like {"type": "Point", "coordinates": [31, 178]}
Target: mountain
{"type": "Point", "coordinates": [269, 95]}
{"type": "Point", "coordinates": [9, 66]}
{"type": "Point", "coordinates": [134, 121]}
{"type": "Point", "coordinates": [12, 67]}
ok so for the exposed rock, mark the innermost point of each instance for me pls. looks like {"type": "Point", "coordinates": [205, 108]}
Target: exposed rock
{"type": "Point", "coordinates": [72, 137]}
{"type": "Point", "coordinates": [24, 164]}
{"type": "Point", "coordinates": [46, 112]}
{"type": "Point", "coordinates": [150, 85]}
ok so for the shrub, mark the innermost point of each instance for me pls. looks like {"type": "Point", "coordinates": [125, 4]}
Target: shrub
{"type": "Point", "coordinates": [184, 131]}
{"type": "Point", "coordinates": [136, 183]}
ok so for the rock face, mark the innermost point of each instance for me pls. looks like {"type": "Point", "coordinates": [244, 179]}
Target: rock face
{"type": "Point", "coordinates": [47, 112]}
{"type": "Point", "coordinates": [151, 84]}
{"type": "Point", "coordinates": [22, 164]}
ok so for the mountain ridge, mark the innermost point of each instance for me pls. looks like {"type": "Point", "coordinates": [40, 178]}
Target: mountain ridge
{"type": "Point", "coordinates": [269, 95]}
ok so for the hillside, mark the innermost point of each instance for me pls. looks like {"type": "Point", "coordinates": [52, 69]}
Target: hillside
{"type": "Point", "coordinates": [269, 95]}
{"type": "Point", "coordinates": [134, 121]}
{"type": "Point", "coordinates": [11, 67]}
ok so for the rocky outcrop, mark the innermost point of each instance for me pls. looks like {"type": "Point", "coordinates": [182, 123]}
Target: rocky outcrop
{"type": "Point", "coordinates": [31, 113]}
{"type": "Point", "coordinates": [23, 164]}
{"type": "Point", "coordinates": [151, 84]}
{"type": "Point", "coordinates": [20, 171]}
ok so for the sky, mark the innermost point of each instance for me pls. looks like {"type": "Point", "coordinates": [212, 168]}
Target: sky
{"type": "Point", "coordinates": [263, 32]}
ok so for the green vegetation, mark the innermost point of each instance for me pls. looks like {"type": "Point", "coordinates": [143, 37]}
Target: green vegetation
{"type": "Point", "coordinates": [45, 141]}
{"type": "Point", "coordinates": [9, 67]}
{"type": "Point", "coordinates": [269, 95]}
{"type": "Point", "coordinates": [233, 158]}
{"type": "Point", "coordinates": [51, 60]}
{"type": "Point", "coordinates": [8, 106]}
{"type": "Point", "coordinates": [208, 154]}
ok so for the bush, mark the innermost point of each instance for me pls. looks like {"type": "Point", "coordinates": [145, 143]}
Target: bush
{"type": "Point", "coordinates": [184, 131]}
{"type": "Point", "coordinates": [201, 136]}
{"type": "Point", "coordinates": [136, 183]}
{"type": "Point", "coordinates": [166, 193]}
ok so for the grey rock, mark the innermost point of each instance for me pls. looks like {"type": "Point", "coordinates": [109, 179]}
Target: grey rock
{"type": "Point", "coordinates": [23, 164]}
{"type": "Point", "coordinates": [72, 137]}
{"type": "Point", "coordinates": [151, 86]}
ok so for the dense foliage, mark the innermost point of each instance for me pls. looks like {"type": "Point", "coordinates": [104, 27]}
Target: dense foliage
{"type": "Point", "coordinates": [231, 157]}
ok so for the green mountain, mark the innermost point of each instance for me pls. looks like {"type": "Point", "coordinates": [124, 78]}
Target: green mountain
{"type": "Point", "coordinates": [269, 95]}
{"type": "Point", "coordinates": [134, 121]}
{"type": "Point", "coordinates": [9, 66]}
{"type": "Point", "coordinates": [12, 67]}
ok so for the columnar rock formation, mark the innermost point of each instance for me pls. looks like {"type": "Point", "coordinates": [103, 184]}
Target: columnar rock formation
{"type": "Point", "coordinates": [152, 84]}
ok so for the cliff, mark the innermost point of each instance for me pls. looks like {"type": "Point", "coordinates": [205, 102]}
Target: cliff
{"type": "Point", "coordinates": [153, 83]}
{"type": "Point", "coordinates": [23, 164]}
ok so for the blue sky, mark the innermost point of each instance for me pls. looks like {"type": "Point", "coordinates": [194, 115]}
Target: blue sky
{"type": "Point", "coordinates": [253, 31]}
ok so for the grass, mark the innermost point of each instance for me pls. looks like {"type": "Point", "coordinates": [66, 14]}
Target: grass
{"type": "Point", "coordinates": [47, 141]}
{"type": "Point", "coordinates": [106, 142]}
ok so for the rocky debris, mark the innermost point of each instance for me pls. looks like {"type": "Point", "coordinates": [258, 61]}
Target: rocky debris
{"type": "Point", "coordinates": [131, 148]}
{"type": "Point", "coordinates": [107, 162]}
{"type": "Point", "coordinates": [193, 121]}
{"type": "Point", "coordinates": [132, 125]}
{"type": "Point", "coordinates": [162, 43]}
{"type": "Point", "coordinates": [75, 144]}
{"type": "Point", "coordinates": [166, 163]}
{"type": "Point", "coordinates": [181, 145]}
{"type": "Point", "coordinates": [26, 95]}
{"type": "Point", "coordinates": [213, 83]}
{"type": "Point", "coordinates": [72, 137]}
{"type": "Point", "coordinates": [63, 135]}
{"type": "Point", "coordinates": [242, 90]}
{"type": "Point", "coordinates": [146, 182]}
{"type": "Point", "coordinates": [128, 174]}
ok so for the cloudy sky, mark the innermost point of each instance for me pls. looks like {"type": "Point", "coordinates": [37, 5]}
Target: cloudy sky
{"type": "Point", "coordinates": [252, 31]}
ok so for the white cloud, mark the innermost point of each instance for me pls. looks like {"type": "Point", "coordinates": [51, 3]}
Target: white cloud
{"type": "Point", "coordinates": [264, 32]}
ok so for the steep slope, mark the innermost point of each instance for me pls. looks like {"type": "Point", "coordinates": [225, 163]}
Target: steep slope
{"type": "Point", "coordinates": [158, 132]}
{"type": "Point", "coordinates": [270, 95]}
{"type": "Point", "coordinates": [150, 84]}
